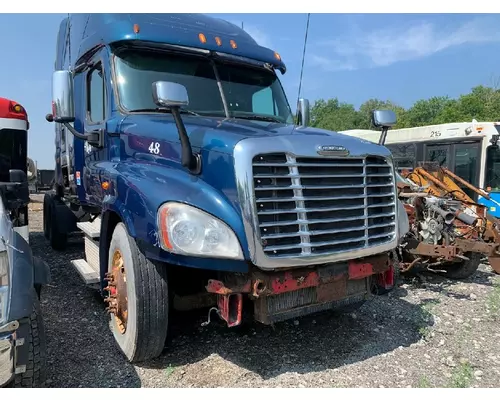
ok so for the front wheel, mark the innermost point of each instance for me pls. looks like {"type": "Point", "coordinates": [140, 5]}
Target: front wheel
{"type": "Point", "coordinates": [138, 299]}
{"type": "Point", "coordinates": [464, 268]}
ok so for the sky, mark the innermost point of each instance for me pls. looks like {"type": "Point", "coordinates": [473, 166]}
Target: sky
{"type": "Point", "coordinates": [355, 57]}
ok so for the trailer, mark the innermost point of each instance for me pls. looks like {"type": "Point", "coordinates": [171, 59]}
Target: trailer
{"type": "Point", "coordinates": [178, 157]}
{"type": "Point", "coordinates": [45, 179]}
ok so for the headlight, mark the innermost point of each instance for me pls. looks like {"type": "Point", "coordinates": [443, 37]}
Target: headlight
{"type": "Point", "coordinates": [4, 287]}
{"type": "Point", "coordinates": [188, 230]}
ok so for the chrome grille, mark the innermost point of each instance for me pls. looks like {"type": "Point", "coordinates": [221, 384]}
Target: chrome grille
{"type": "Point", "coordinates": [320, 206]}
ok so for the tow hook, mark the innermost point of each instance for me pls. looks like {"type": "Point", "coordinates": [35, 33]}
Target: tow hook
{"type": "Point", "coordinates": [229, 308]}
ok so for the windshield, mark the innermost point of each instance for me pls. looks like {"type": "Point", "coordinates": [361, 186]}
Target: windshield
{"type": "Point", "coordinates": [493, 168]}
{"type": "Point", "coordinates": [250, 92]}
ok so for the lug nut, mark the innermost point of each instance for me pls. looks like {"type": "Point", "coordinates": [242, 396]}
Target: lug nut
{"type": "Point", "coordinates": [110, 299]}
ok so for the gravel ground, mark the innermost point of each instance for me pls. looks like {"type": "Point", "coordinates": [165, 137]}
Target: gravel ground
{"type": "Point", "coordinates": [429, 332]}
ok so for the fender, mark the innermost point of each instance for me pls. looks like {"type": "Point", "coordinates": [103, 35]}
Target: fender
{"type": "Point", "coordinates": [138, 188]}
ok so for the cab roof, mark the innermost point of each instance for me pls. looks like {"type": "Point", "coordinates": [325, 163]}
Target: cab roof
{"type": "Point", "coordinates": [89, 31]}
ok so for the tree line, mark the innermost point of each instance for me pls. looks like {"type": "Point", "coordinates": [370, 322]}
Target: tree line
{"type": "Point", "coordinates": [482, 104]}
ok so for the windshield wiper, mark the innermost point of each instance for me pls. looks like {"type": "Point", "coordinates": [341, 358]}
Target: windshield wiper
{"type": "Point", "coordinates": [260, 118]}
{"type": "Point", "coordinates": [165, 110]}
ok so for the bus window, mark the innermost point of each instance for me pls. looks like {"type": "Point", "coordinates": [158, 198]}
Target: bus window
{"type": "Point", "coordinates": [493, 168]}
{"type": "Point", "coordinates": [466, 163]}
{"type": "Point", "coordinates": [438, 154]}
{"type": "Point", "coordinates": [404, 155]}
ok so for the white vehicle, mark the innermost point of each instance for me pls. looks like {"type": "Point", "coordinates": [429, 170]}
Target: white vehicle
{"type": "Point", "coordinates": [469, 149]}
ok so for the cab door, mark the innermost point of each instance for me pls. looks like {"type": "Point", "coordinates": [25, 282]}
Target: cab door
{"type": "Point", "coordinates": [94, 123]}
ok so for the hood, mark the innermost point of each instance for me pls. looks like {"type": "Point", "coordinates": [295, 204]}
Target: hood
{"type": "Point", "coordinates": [222, 135]}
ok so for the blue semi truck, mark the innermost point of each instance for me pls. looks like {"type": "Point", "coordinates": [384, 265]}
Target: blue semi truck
{"type": "Point", "coordinates": [178, 158]}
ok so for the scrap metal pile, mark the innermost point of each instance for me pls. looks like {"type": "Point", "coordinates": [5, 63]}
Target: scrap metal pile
{"type": "Point", "coordinates": [449, 232]}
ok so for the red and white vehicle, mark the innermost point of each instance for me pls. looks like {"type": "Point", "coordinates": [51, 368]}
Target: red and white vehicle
{"type": "Point", "coordinates": [14, 127]}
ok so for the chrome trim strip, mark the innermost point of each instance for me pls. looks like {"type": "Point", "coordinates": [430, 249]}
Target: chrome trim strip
{"type": "Point", "coordinates": [297, 146]}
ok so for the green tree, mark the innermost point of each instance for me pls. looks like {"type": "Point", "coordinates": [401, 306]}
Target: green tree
{"type": "Point", "coordinates": [366, 110]}
{"type": "Point", "coordinates": [426, 112]}
{"type": "Point", "coordinates": [481, 103]}
{"type": "Point", "coordinates": [334, 115]}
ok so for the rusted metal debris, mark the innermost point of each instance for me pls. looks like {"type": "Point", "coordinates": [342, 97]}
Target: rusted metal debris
{"type": "Point", "coordinates": [446, 225]}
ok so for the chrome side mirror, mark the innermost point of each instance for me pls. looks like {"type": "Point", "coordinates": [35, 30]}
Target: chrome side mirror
{"type": "Point", "coordinates": [63, 107]}
{"type": "Point", "coordinates": [303, 113]}
{"type": "Point", "coordinates": [169, 94]}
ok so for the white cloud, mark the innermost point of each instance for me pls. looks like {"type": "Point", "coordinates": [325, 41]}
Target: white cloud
{"type": "Point", "coordinates": [330, 64]}
{"type": "Point", "coordinates": [388, 46]}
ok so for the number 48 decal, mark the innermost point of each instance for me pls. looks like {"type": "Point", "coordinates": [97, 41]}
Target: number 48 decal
{"type": "Point", "coordinates": [154, 148]}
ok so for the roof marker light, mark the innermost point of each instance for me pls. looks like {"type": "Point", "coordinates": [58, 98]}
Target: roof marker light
{"type": "Point", "coordinates": [202, 38]}
{"type": "Point", "coordinates": [277, 56]}
{"type": "Point", "coordinates": [16, 110]}
{"type": "Point", "coordinates": [136, 28]}
{"type": "Point", "coordinates": [233, 44]}
{"type": "Point", "coordinates": [218, 41]}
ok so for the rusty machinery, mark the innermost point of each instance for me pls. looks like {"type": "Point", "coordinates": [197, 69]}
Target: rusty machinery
{"type": "Point", "coordinates": [449, 231]}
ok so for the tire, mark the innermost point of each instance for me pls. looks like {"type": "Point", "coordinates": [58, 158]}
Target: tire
{"type": "Point", "coordinates": [36, 369]}
{"type": "Point", "coordinates": [58, 240]}
{"type": "Point", "coordinates": [38, 290]}
{"type": "Point", "coordinates": [465, 268]}
{"type": "Point", "coordinates": [147, 300]}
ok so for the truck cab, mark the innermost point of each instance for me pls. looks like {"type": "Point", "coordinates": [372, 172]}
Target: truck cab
{"type": "Point", "coordinates": [178, 157]}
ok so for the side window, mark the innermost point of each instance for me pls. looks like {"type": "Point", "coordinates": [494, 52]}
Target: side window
{"type": "Point", "coordinates": [95, 94]}
{"type": "Point", "coordinates": [263, 102]}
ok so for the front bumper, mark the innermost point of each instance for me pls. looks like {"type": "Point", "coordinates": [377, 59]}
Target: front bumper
{"type": "Point", "coordinates": [283, 295]}
{"type": "Point", "coordinates": [7, 352]}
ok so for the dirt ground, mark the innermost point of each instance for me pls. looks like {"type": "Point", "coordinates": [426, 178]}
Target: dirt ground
{"type": "Point", "coordinates": [429, 332]}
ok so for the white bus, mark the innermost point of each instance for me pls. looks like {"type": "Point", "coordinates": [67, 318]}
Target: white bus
{"type": "Point", "coordinates": [469, 149]}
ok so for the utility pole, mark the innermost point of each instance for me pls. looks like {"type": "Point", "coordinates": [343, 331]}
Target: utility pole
{"type": "Point", "coordinates": [242, 25]}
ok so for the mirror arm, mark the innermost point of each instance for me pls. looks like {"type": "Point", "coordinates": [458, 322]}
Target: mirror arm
{"type": "Point", "coordinates": [75, 132]}
{"type": "Point", "coordinates": [50, 118]}
{"type": "Point", "coordinates": [383, 135]}
{"type": "Point", "coordinates": [189, 160]}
